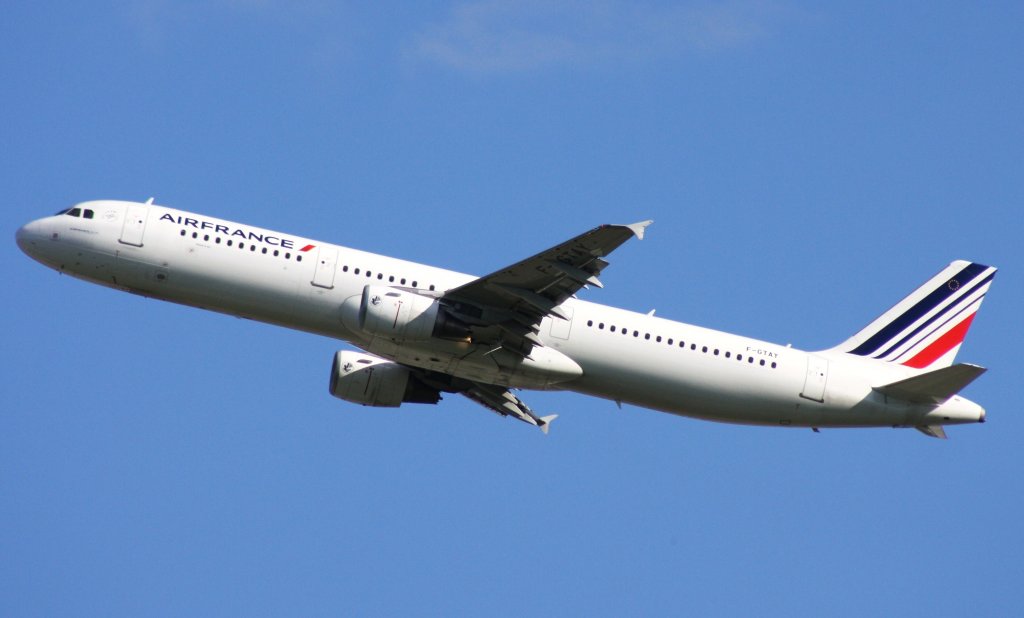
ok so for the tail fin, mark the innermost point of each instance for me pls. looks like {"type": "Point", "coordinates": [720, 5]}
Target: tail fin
{"type": "Point", "coordinates": [925, 329]}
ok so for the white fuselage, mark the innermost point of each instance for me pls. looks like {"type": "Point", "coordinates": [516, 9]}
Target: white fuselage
{"type": "Point", "coordinates": [625, 356]}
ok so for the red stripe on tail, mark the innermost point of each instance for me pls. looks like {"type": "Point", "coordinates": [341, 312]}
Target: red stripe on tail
{"type": "Point", "coordinates": [953, 337]}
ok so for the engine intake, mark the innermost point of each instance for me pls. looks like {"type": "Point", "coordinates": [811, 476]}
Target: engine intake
{"type": "Point", "coordinates": [372, 381]}
{"type": "Point", "coordinates": [398, 314]}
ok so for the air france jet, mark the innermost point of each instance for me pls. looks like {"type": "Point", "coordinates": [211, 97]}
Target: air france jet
{"type": "Point", "coordinates": [423, 331]}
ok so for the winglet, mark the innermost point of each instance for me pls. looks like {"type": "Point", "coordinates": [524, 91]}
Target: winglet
{"type": "Point", "coordinates": [545, 422]}
{"type": "Point", "coordinates": [639, 227]}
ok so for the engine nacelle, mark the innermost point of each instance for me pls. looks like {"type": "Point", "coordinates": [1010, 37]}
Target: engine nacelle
{"type": "Point", "coordinates": [372, 381]}
{"type": "Point", "coordinates": [398, 314]}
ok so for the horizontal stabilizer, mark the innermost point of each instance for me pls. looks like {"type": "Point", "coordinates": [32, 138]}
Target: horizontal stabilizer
{"type": "Point", "coordinates": [935, 431]}
{"type": "Point", "coordinates": [935, 386]}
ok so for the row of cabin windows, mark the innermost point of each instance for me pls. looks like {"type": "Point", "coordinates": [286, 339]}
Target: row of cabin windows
{"type": "Point", "coordinates": [380, 277]}
{"type": "Point", "coordinates": [682, 344]}
{"type": "Point", "coordinates": [298, 258]}
{"type": "Point", "coordinates": [241, 245]}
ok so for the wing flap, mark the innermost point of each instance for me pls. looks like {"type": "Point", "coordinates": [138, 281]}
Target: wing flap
{"type": "Point", "coordinates": [528, 291]}
{"type": "Point", "coordinates": [502, 401]}
{"type": "Point", "coordinates": [556, 273]}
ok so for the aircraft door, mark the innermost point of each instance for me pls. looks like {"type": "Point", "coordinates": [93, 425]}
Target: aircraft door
{"type": "Point", "coordinates": [816, 379]}
{"type": "Point", "coordinates": [326, 260]}
{"type": "Point", "coordinates": [134, 224]}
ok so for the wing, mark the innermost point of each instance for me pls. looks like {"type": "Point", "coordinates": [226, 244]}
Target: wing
{"type": "Point", "coordinates": [497, 399]}
{"type": "Point", "coordinates": [507, 306]}
{"type": "Point", "coordinates": [501, 401]}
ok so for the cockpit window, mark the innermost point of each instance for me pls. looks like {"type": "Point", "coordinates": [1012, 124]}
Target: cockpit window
{"type": "Point", "coordinates": [75, 212]}
{"type": "Point", "coordinates": [88, 214]}
{"type": "Point", "coordinates": [63, 212]}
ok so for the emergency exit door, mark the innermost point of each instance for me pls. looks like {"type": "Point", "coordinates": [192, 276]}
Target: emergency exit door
{"type": "Point", "coordinates": [326, 260]}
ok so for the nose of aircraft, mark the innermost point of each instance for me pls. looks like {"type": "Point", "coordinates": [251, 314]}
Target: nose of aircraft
{"type": "Point", "coordinates": [21, 236]}
{"type": "Point", "coordinates": [28, 236]}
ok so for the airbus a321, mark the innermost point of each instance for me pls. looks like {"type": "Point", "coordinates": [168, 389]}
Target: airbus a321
{"type": "Point", "coordinates": [422, 331]}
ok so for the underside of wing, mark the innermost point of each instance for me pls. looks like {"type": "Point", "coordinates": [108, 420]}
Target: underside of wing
{"type": "Point", "coordinates": [497, 399]}
{"type": "Point", "coordinates": [502, 401]}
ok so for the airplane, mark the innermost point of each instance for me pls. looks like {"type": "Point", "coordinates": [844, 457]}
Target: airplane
{"type": "Point", "coordinates": [423, 331]}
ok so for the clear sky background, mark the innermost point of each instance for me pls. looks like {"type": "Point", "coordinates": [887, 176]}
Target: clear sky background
{"type": "Point", "coordinates": [806, 165]}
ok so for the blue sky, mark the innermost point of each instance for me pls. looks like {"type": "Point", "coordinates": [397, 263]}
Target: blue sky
{"type": "Point", "coordinates": [806, 165]}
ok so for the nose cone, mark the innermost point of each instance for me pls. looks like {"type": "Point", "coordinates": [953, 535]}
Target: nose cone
{"type": "Point", "coordinates": [29, 238]}
{"type": "Point", "coordinates": [21, 236]}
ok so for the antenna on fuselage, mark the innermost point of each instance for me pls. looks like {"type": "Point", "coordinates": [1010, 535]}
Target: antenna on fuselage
{"type": "Point", "coordinates": [149, 202]}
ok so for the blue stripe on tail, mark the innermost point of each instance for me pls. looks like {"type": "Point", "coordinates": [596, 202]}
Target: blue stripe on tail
{"type": "Point", "coordinates": [937, 316]}
{"type": "Point", "coordinates": [926, 304]}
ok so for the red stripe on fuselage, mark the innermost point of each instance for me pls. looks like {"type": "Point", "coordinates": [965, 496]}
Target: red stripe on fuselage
{"type": "Point", "coordinates": [953, 337]}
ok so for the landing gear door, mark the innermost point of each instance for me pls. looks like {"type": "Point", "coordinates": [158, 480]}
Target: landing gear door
{"type": "Point", "coordinates": [134, 225]}
{"type": "Point", "coordinates": [323, 276]}
{"type": "Point", "coordinates": [817, 377]}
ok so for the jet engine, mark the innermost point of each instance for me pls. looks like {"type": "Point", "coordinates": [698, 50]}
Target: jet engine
{"type": "Point", "coordinates": [399, 314]}
{"type": "Point", "coordinates": [372, 381]}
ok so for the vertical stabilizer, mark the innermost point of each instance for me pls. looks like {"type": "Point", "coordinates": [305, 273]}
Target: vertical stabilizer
{"type": "Point", "coordinates": [926, 329]}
